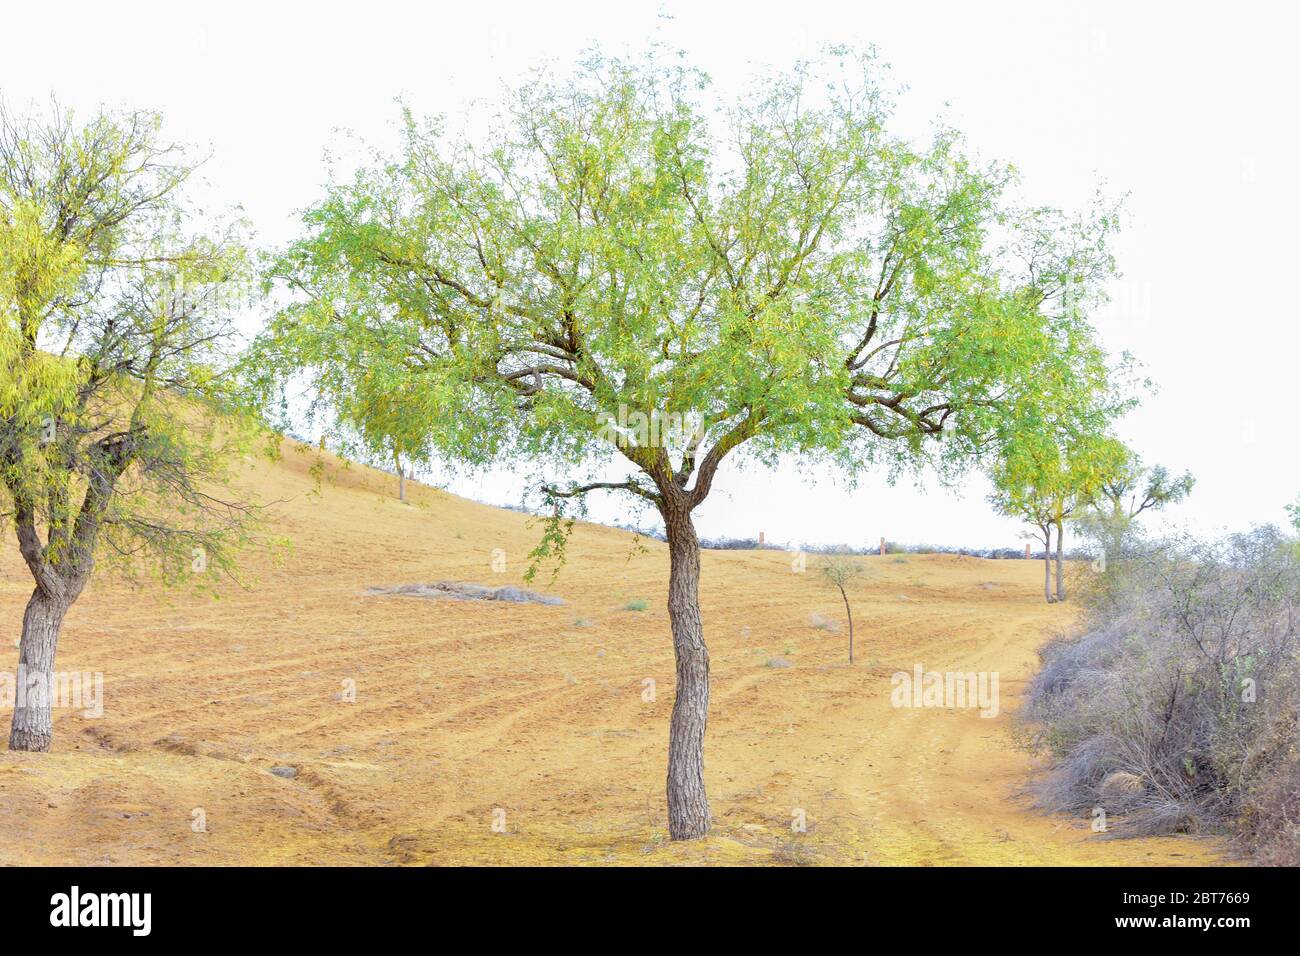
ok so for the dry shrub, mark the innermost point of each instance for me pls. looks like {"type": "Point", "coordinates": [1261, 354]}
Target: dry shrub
{"type": "Point", "coordinates": [1177, 707]}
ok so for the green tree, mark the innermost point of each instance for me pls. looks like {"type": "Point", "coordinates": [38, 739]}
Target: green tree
{"type": "Point", "coordinates": [780, 276]}
{"type": "Point", "coordinates": [113, 423]}
{"type": "Point", "coordinates": [1048, 475]}
{"type": "Point", "coordinates": [1129, 490]}
{"type": "Point", "coordinates": [1017, 495]}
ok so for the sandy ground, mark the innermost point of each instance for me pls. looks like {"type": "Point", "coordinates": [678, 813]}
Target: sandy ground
{"type": "Point", "coordinates": [473, 718]}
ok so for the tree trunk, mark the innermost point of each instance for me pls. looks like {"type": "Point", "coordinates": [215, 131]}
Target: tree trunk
{"type": "Point", "coordinates": [849, 611]}
{"type": "Point", "coordinates": [32, 727]}
{"type": "Point", "coordinates": [1060, 558]}
{"type": "Point", "coordinates": [688, 806]}
{"type": "Point", "coordinates": [1118, 528]}
{"type": "Point", "coordinates": [1047, 563]}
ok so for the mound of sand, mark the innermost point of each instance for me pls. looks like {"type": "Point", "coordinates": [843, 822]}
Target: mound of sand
{"type": "Point", "coordinates": [461, 591]}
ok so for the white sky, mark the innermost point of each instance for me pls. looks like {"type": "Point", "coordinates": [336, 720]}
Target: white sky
{"type": "Point", "coordinates": [1185, 107]}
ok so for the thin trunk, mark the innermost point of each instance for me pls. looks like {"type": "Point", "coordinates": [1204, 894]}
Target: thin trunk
{"type": "Point", "coordinates": [32, 728]}
{"type": "Point", "coordinates": [401, 479]}
{"type": "Point", "coordinates": [849, 611]}
{"type": "Point", "coordinates": [1047, 563]}
{"type": "Point", "coordinates": [1060, 558]}
{"type": "Point", "coordinates": [688, 806]}
{"type": "Point", "coordinates": [1119, 523]}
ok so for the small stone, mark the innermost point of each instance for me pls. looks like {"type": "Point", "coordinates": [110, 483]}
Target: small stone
{"type": "Point", "coordinates": [287, 773]}
{"type": "Point", "coordinates": [778, 662]}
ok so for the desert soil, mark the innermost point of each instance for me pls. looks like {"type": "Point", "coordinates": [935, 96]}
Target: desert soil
{"type": "Point", "coordinates": [472, 718]}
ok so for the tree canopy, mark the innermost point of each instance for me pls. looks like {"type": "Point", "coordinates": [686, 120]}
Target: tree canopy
{"type": "Point", "coordinates": [1045, 478]}
{"type": "Point", "coordinates": [783, 271]}
{"type": "Point", "coordinates": [115, 329]}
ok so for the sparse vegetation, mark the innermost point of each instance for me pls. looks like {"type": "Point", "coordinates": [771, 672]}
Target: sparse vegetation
{"type": "Point", "coordinates": [840, 571]}
{"type": "Point", "coordinates": [636, 604]}
{"type": "Point", "coordinates": [1176, 709]}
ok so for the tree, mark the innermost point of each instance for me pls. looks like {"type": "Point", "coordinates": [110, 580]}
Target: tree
{"type": "Point", "coordinates": [839, 571]}
{"type": "Point", "coordinates": [1024, 501]}
{"type": "Point", "coordinates": [1051, 473]}
{"type": "Point", "coordinates": [777, 277]}
{"type": "Point", "coordinates": [1087, 462]}
{"type": "Point", "coordinates": [113, 405]}
{"type": "Point", "coordinates": [1131, 489]}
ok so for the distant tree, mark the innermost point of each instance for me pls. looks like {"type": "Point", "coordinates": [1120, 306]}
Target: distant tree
{"type": "Point", "coordinates": [840, 570]}
{"type": "Point", "coordinates": [779, 277]}
{"type": "Point", "coordinates": [1086, 463]}
{"type": "Point", "coordinates": [1022, 501]}
{"type": "Point", "coordinates": [1126, 493]}
{"type": "Point", "coordinates": [115, 415]}
{"type": "Point", "coordinates": [1049, 475]}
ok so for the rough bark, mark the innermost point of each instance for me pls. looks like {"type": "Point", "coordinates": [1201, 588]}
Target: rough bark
{"type": "Point", "coordinates": [32, 727]}
{"type": "Point", "coordinates": [688, 806]}
{"type": "Point", "coordinates": [57, 588]}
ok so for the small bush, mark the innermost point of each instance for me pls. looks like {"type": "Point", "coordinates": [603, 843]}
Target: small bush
{"type": "Point", "coordinates": [636, 604]}
{"type": "Point", "coordinates": [822, 623]}
{"type": "Point", "coordinates": [737, 544]}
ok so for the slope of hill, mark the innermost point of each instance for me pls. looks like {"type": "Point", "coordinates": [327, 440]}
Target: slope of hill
{"type": "Point", "coordinates": [472, 718]}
